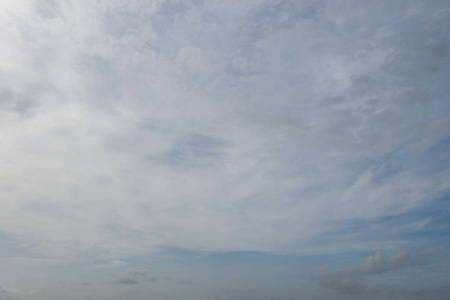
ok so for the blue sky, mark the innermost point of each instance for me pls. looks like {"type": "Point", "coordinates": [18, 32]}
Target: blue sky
{"type": "Point", "coordinates": [222, 150]}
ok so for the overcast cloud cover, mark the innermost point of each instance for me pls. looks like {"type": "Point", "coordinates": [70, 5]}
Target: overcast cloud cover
{"type": "Point", "coordinates": [205, 149]}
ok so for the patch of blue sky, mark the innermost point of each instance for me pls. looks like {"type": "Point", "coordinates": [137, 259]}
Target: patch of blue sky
{"type": "Point", "coordinates": [194, 150]}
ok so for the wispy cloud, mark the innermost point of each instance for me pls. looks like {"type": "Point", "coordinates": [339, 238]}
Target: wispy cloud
{"type": "Point", "coordinates": [132, 126]}
{"type": "Point", "coordinates": [197, 126]}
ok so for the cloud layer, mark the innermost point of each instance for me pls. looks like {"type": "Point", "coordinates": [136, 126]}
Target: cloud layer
{"type": "Point", "coordinates": [130, 126]}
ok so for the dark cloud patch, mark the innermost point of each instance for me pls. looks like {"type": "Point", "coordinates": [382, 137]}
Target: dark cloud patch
{"type": "Point", "coordinates": [181, 281]}
{"type": "Point", "coordinates": [127, 281]}
{"type": "Point", "coordinates": [87, 284]}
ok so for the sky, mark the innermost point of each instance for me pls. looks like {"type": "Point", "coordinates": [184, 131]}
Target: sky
{"type": "Point", "coordinates": [224, 150]}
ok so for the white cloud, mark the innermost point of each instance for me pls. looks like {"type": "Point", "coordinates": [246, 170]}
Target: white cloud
{"type": "Point", "coordinates": [220, 126]}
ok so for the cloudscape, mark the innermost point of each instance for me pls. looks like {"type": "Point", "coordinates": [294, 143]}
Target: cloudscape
{"type": "Point", "coordinates": [224, 150]}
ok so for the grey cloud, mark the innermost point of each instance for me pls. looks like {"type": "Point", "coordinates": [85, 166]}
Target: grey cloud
{"type": "Point", "coordinates": [349, 280]}
{"type": "Point", "coordinates": [181, 281]}
{"type": "Point", "coordinates": [3, 290]}
{"type": "Point", "coordinates": [87, 284]}
{"type": "Point", "coordinates": [184, 281]}
{"type": "Point", "coordinates": [137, 272]}
{"type": "Point", "coordinates": [127, 281]}
{"type": "Point", "coordinates": [380, 264]}
{"type": "Point", "coordinates": [433, 292]}
{"type": "Point", "coordinates": [132, 278]}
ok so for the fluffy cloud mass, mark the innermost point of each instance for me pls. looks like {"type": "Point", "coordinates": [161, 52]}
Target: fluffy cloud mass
{"type": "Point", "coordinates": [128, 126]}
{"type": "Point", "coordinates": [348, 280]}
